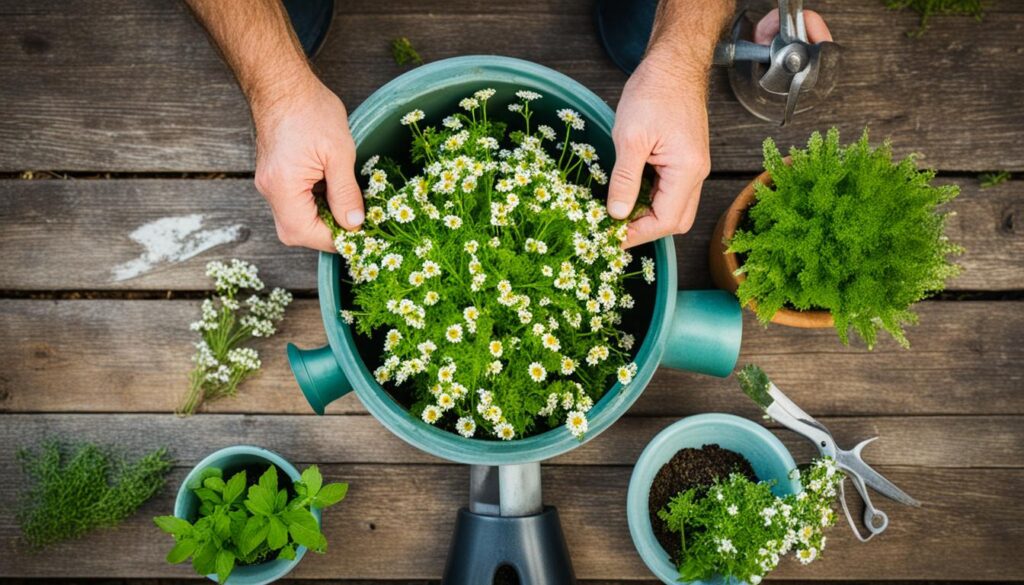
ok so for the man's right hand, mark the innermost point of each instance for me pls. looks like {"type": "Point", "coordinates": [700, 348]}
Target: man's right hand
{"type": "Point", "coordinates": [301, 138]}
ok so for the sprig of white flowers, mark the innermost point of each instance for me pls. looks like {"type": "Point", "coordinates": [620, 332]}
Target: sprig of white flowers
{"type": "Point", "coordinates": [496, 276]}
{"type": "Point", "coordinates": [221, 362]}
{"type": "Point", "coordinates": [737, 510]}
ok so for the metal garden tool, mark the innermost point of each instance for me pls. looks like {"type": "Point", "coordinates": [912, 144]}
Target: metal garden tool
{"type": "Point", "coordinates": [774, 82]}
{"type": "Point", "coordinates": [784, 411]}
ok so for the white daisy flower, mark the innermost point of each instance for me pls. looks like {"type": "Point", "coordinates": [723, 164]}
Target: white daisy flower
{"type": "Point", "coordinates": [547, 132]}
{"type": "Point", "coordinates": [537, 372]}
{"type": "Point", "coordinates": [568, 366]}
{"type": "Point", "coordinates": [431, 298]}
{"type": "Point", "coordinates": [469, 104]}
{"type": "Point", "coordinates": [452, 122]}
{"type": "Point", "coordinates": [576, 422]}
{"type": "Point", "coordinates": [470, 313]}
{"type": "Point", "coordinates": [504, 431]}
{"type": "Point", "coordinates": [732, 510]}
{"type": "Point", "coordinates": [431, 414]}
{"type": "Point", "coordinates": [648, 269]}
{"type": "Point", "coordinates": [496, 348]}
{"type": "Point", "coordinates": [551, 342]}
{"type": "Point", "coordinates": [452, 222]}
{"type": "Point", "coordinates": [369, 165]}
{"type": "Point", "coordinates": [806, 555]}
{"type": "Point", "coordinates": [454, 333]}
{"type": "Point", "coordinates": [466, 426]}
{"type": "Point", "coordinates": [445, 401]}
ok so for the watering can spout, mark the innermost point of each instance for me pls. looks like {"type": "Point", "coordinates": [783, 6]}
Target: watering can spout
{"type": "Point", "coordinates": [705, 333]}
{"type": "Point", "coordinates": [318, 374]}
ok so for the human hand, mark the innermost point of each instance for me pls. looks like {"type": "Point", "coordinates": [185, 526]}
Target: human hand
{"type": "Point", "coordinates": [768, 27]}
{"type": "Point", "coordinates": [301, 138]}
{"type": "Point", "coordinates": [662, 119]}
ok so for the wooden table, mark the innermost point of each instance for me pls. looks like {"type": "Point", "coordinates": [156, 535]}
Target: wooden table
{"type": "Point", "coordinates": [126, 115]}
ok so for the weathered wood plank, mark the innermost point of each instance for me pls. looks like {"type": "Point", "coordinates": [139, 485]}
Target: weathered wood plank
{"type": "Point", "coordinates": [396, 523]}
{"type": "Point", "coordinates": [83, 229]}
{"type": "Point", "coordinates": [133, 356]}
{"type": "Point", "coordinates": [921, 441]}
{"type": "Point", "coordinates": [134, 86]}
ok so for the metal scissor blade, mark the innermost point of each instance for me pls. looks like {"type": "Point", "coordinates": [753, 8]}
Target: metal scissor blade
{"type": "Point", "coordinates": [851, 462]}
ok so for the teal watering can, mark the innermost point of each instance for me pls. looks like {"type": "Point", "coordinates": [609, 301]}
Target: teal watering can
{"type": "Point", "coordinates": [698, 331]}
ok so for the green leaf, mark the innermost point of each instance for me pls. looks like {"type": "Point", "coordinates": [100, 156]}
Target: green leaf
{"type": "Point", "coordinates": [222, 524]}
{"type": "Point", "coordinates": [312, 479]}
{"type": "Point", "coordinates": [173, 525]}
{"type": "Point", "coordinates": [208, 495]}
{"type": "Point", "coordinates": [260, 501]}
{"type": "Point", "coordinates": [234, 487]}
{"type": "Point", "coordinates": [197, 481]}
{"type": "Point", "coordinates": [253, 535]}
{"type": "Point", "coordinates": [204, 558]}
{"type": "Point", "coordinates": [268, 480]}
{"type": "Point", "coordinates": [304, 530]}
{"type": "Point", "coordinates": [280, 501]}
{"type": "Point", "coordinates": [330, 494]}
{"type": "Point", "coordinates": [225, 564]}
{"type": "Point", "coordinates": [278, 534]}
{"type": "Point", "coordinates": [287, 553]}
{"type": "Point", "coordinates": [181, 551]}
{"type": "Point", "coordinates": [214, 483]}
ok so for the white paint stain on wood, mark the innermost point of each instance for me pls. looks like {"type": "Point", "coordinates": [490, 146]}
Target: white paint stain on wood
{"type": "Point", "coordinates": [173, 239]}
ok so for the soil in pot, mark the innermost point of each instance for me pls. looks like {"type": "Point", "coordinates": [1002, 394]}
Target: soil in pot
{"type": "Point", "coordinates": [690, 468]}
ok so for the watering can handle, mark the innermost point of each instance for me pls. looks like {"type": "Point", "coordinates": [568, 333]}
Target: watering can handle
{"type": "Point", "coordinates": [319, 376]}
{"type": "Point", "coordinates": [704, 333]}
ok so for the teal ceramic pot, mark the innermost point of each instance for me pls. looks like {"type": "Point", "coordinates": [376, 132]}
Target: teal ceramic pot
{"type": "Point", "coordinates": [766, 454]}
{"type": "Point", "coordinates": [231, 460]}
{"type": "Point", "coordinates": [692, 330]}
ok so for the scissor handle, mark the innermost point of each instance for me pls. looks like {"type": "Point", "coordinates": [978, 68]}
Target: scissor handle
{"type": "Point", "coordinates": [875, 520]}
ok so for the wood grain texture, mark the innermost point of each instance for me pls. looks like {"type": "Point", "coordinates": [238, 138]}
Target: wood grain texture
{"type": "Point", "coordinates": [953, 441]}
{"type": "Point", "coordinates": [72, 235]}
{"type": "Point", "coordinates": [134, 85]}
{"type": "Point", "coordinates": [133, 356]}
{"type": "Point", "coordinates": [396, 521]}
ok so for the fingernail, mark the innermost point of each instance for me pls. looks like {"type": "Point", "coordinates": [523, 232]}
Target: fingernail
{"type": "Point", "coordinates": [618, 209]}
{"type": "Point", "coordinates": [355, 217]}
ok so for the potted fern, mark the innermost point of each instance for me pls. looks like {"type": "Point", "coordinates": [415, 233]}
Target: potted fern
{"type": "Point", "coordinates": [836, 236]}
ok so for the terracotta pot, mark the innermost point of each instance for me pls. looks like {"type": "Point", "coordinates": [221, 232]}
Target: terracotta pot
{"type": "Point", "coordinates": [724, 264]}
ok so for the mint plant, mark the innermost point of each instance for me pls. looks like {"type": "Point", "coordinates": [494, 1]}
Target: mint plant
{"type": "Point", "coordinates": [228, 321]}
{"type": "Point", "coordinates": [739, 530]}
{"type": "Point", "coordinates": [847, 230]}
{"type": "Point", "coordinates": [242, 524]}
{"type": "Point", "coordinates": [494, 276]}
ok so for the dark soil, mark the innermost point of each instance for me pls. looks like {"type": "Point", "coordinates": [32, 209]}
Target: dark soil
{"type": "Point", "coordinates": [690, 468]}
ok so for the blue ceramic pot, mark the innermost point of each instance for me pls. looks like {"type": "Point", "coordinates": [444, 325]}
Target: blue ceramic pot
{"type": "Point", "coordinates": [692, 330]}
{"type": "Point", "coordinates": [766, 454]}
{"type": "Point", "coordinates": [231, 460]}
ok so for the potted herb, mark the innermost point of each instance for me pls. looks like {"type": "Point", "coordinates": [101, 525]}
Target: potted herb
{"type": "Point", "coordinates": [490, 276]}
{"type": "Point", "coordinates": [836, 236]}
{"type": "Point", "coordinates": [716, 496]}
{"type": "Point", "coordinates": [246, 514]}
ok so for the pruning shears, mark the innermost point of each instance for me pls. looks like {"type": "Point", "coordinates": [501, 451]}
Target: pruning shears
{"type": "Point", "coordinates": [851, 462]}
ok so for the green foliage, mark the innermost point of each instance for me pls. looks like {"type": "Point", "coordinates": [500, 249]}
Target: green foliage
{"type": "Point", "coordinates": [239, 526]}
{"type": "Point", "coordinates": [77, 487]}
{"type": "Point", "coordinates": [403, 52]}
{"type": "Point", "coordinates": [929, 8]}
{"type": "Point", "coordinates": [993, 179]}
{"type": "Point", "coordinates": [494, 275]}
{"type": "Point", "coordinates": [740, 530]}
{"type": "Point", "coordinates": [847, 230]}
{"type": "Point", "coordinates": [754, 383]}
{"type": "Point", "coordinates": [222, 362]}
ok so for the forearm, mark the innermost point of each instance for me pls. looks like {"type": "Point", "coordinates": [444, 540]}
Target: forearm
{"type": "Point", "coordinates": [257, 42]}
{"type": "Point", "coordinates": [683, 40]}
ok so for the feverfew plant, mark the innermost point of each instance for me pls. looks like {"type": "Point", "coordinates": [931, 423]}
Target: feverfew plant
{"type": "Point", "coordinates": [740, 530]}
{"type": "Point", "coordinates": [222, 362]}
{"type": "Point", "coordinates": [243, 524]}
{"type": "Point", "coordinates": [494, 276]}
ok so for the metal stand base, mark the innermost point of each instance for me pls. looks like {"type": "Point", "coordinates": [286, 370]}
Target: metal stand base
{"type": "Point", "coordinates": [533, 546]}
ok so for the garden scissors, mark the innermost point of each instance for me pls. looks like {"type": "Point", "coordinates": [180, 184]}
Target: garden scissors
{"type": "Point", "coordinates": [784, 411]}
